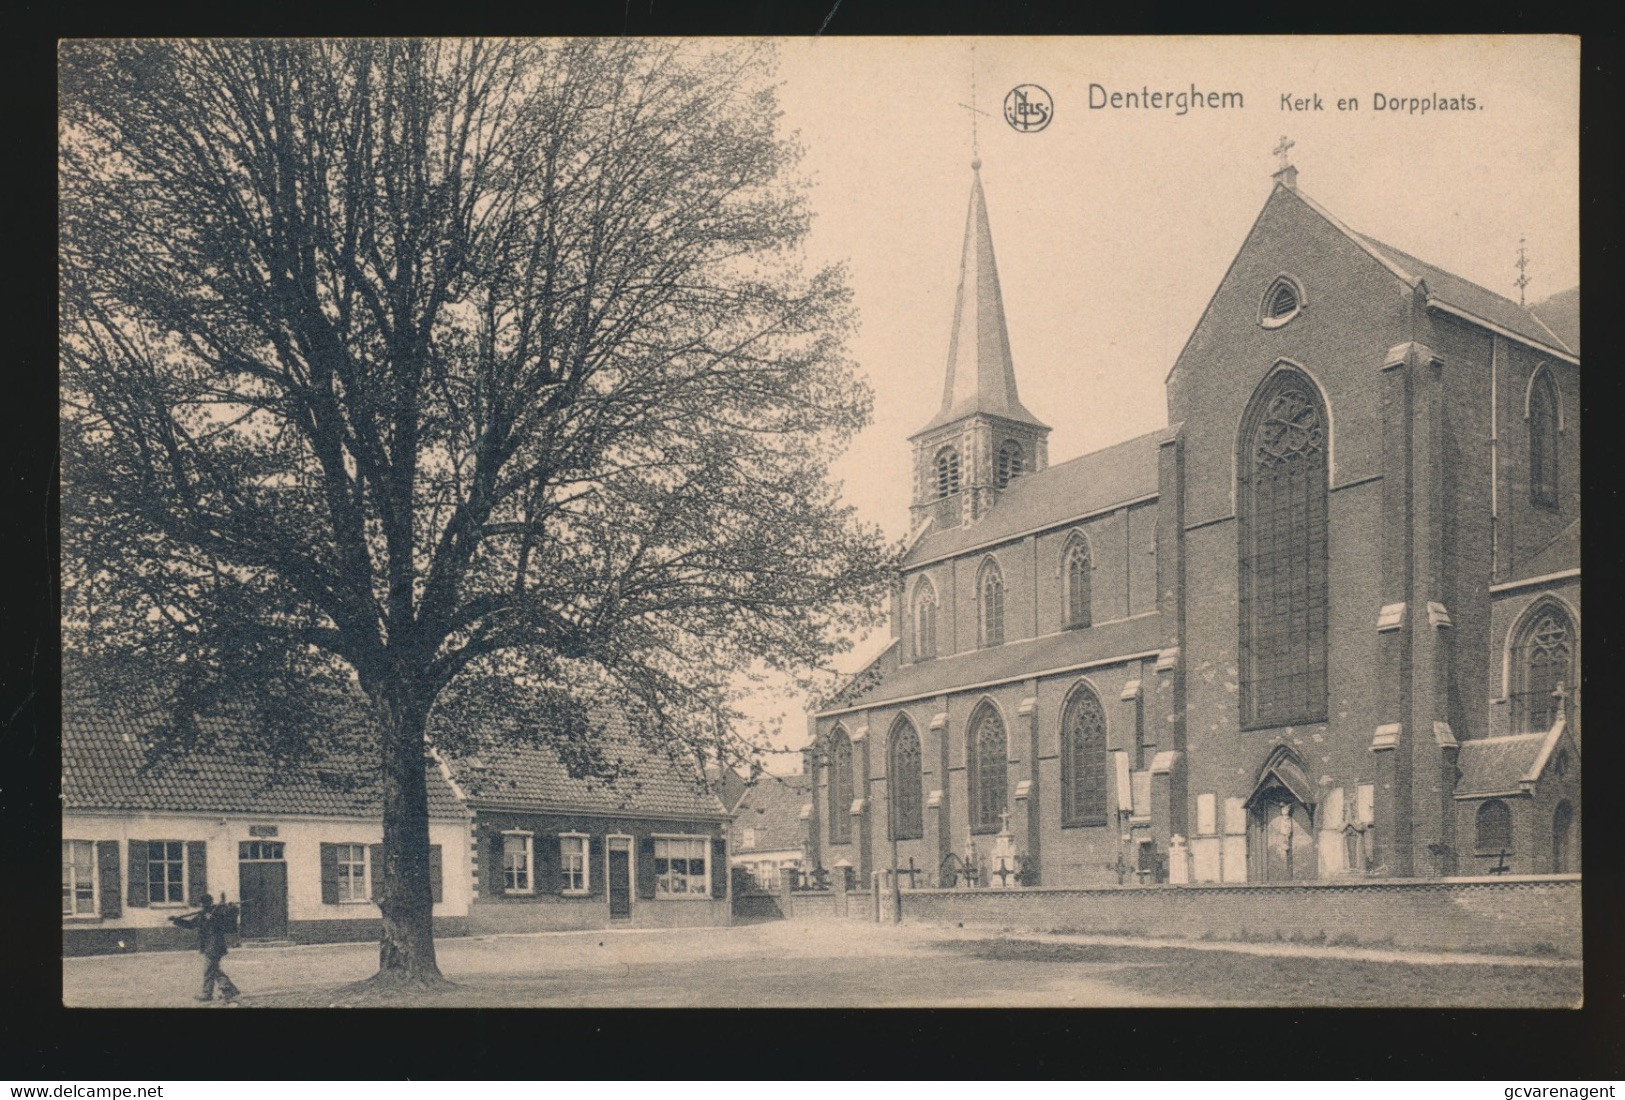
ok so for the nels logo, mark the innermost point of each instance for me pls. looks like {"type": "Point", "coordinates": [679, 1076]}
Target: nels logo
{"type": "Point", "coordinates": [1028, 108]}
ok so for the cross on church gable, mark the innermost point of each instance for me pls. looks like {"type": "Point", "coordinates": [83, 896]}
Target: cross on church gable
{"type": "Point", "coordinates": [1281, 149]}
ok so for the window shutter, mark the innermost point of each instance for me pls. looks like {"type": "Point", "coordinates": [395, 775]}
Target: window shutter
{"type": "Point", "coordinates": [330, 874]}
{"type": "Point", "coordinates": [375, 871]}
{"type": "Point", "coordinates": [646, 867]}
{"type": "Point", "coordinates": [107, 877]}
{"type": "Point", "coordinates": [595, 865]}
{"type": "Point", "coordinates": [197, 871]}
{"type": "Point", "coordinates": [494, 886]}
{"type": "Point", "coordinates": [719, 867]}
{"type": "Point", "coordinates": [544, 864]}
{"type": "Point", "coordinates": [437, 886]}
{"type": "Point", "coordinates": [137, 897]}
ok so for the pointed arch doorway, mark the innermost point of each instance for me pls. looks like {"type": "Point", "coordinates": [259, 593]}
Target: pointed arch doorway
{"type": "Point", "coordinates": [1281, 822]}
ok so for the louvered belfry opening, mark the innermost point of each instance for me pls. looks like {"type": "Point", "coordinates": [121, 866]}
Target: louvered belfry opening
{"type": "Point", "coordinates": [1283, 555]}
{"type": "Point", "coordinates": [1011, 464]}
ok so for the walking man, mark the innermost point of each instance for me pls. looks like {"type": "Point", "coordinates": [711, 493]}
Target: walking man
{"type": "Point", "coordinates": [211, 923]}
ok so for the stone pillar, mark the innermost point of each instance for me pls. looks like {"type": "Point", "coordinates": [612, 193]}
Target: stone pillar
{"type": "Point", "coordinates": [862, 816]}
{"type": "Point", "coordinates": [937, 820]}
{"type": "Point", "coordinates": [1392, 705]}
{"type": "Point", "coordinates": [1033, 819]}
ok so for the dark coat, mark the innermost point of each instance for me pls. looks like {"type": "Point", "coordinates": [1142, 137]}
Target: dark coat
{"type": "Point", "coordinates": [211, 931]}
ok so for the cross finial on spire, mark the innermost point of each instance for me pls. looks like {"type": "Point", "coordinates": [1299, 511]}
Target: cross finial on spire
{"type": "Point", "coordinates": [1523, 275]}
{"type": "Point", "coordinates": [975, 147]}
{"type": "Point", "coordinates": [1280, 150]}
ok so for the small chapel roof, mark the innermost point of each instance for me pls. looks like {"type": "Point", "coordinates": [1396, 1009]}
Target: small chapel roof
{"type": "Point", "coordinates": [1504, 765]}
{"type": "Point", "coordinates": [981, 374]}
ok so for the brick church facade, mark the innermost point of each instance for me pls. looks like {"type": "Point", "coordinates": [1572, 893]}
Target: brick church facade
{"type": "Point", "coordinates": [1324, 624]}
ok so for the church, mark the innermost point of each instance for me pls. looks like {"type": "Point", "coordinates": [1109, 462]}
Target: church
{"type": "Point", "coordinates": [1324, 624]}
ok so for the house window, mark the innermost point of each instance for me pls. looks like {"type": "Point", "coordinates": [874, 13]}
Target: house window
{"type": "Point", "coordinates": [1283, 555]}
{"type": "Point", "coordinates": [1542, 667]}
{"type": "Point", "coordinates": [1011, 464]}
{"type": "Point", "coordinates": [1494, 831]}
{"type": "Point", "coordinates": [947, 472]}
{"type": "Point", "coordinates": [989, 770]}
{"type": "Point", "coordinates": [79, 878]}
{"type": "Point", "coordinates": [748, 839]}
{"type": "Point", "coordinates": [1083, 760]}
{"type": "Point", "coordinates": [990, 588]}
{"type": "Point", "coordinates": [573, 873]}
{"type": "Point", "coordinates": [1075, 577]}
{"type": "Point", "coordinates": [680, 867]}
{"type": "Point", "coordinates": [1543, 439]}
{"type": "Point", "coordinates": [840, 787]}
{"type": "Point", "coordinates": [904, 782]}
{"type": "Point", "coordinates": [518, 855]}
{"type": "Point", "coordinates": [925, 621]}
{"type": "Point", "coordinates": [352, 871]}
{"type": "Point", "coordinates": [1282, 301]}
{"type": "Point", "coordinates": [166, 872]}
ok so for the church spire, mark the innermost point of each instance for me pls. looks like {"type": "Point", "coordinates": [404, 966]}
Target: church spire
{"type": "Point", "coordinates": [981, 375]}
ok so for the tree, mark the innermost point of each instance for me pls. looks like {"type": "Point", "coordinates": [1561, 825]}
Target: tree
{"type": "Point", "coordinates": [455, 370]}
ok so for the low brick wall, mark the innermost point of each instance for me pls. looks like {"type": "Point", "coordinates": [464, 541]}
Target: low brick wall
{"type": "Point", "coordinates": [490, 916]}
{"type": "Point", "coordinates": [103, 940]}
{"type": "Point", "coordinates": [1524, 914]}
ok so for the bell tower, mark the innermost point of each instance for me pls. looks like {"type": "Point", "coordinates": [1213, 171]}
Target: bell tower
{"type": "Point", "coordinates": [982, 437]}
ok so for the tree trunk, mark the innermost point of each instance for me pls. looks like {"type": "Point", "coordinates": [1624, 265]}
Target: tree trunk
{"type": "Point", "coordinates": [406, 948]}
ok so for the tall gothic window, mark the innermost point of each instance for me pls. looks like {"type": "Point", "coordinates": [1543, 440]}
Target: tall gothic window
{"type": "Point", "coordinates": [947, 472]}
{"type": "Point", "coordinates": [1076, 571]}
{"type": "Point", "coordinates": [840, 787]}
{"type": "Point", "coordinates": [1543, 438]}
{"type": "Point", "coordinates": [925, 621]}
{"type": "Point", "coordinates": [1083, 760]}
{"type": "Point", "coordinates": [904, 782]}
{"type": "Point", "coordinates": [1010, 465]}
{"type": "Point", "coordinates": [989, 770]}
{"type": "Point", "coordinates": [1283, 563]}
{"type": "Point", "coordinates": [990, 591]}
{"type": "Point", "coordinates": [1542, 664]}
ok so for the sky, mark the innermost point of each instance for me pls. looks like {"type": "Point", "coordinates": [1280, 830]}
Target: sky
{"type": "Point", "coordinates": [1113, 227]}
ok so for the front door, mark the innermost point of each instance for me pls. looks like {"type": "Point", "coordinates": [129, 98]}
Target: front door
{"type": "Point", "coordinates": [1282, 839]}
{"type": "Point", "coordinates": [262, 878]}
{"type": "Point", "coordinates": [620, 877]}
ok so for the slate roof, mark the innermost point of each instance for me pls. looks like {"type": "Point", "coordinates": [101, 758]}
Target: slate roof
{"type": "Point", "coordinates": [1561, 314]}
{"type": "Point", "coordinates": [771, 806]}
{"type": "Point", "coordinates": [1089, 483]}
{"type": "Point", "coordinates": [1563, 552]}
{"type": "Point", "coordinates": [1014, 659]}
{"type": "Point", "coordinates": [1471, 298]}
{"type": "Point", "coordinates": [534, 776]}
{"type": "Point", "coordinates": [104, 768]}
{"type": "Point", "coordinates": [1501, 765]}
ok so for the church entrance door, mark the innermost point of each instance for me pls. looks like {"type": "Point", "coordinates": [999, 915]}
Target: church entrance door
{"type": "Point", "coordinates": [1281, 838]}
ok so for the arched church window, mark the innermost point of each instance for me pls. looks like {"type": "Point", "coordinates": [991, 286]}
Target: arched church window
{"type": "Point", "coordinates": [1076, 574]}
{"type": "Point", "coordinates": [947, 472]}
{"type": "Point", "coordinates": [1543, 438]}
{"type": "Point", "coordinates": [990, 589]}
{"type": "Point", "coordinates": [840, 787]}
{"type": "Point", "coordinates": [904, 781]}
{"type": "Point", "coordinates": [1493, 832]}
{"type": "Point", "coordinates": [1083, 759]}
{"type": "Point", "coordinates": [925, 621]}
{"type": "Point", "coordinates": [1283, 555]}
{"type": "Point", "coordinates": [1282, 301]}
{"type": "Point", "coordinates": [1011, 464]}
{"type": "Point", "coordinates": [1542, 667]}
{"type": "Point", "coordinates": [989, 770]}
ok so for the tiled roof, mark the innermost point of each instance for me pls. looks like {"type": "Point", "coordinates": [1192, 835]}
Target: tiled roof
{"type": "Point", "coordinates": [1032, 655]}
{"type": "Point", "coordinates": [1089, 483]}
{"type": "Point", "coordinates": [772, 807]}
{"type": "Point", "coordinates": [1498, 765]}
{"type": "Point", "coordinates": [1471, 298]}
{"type": "Point", "coordinates": [1561, 314]}
{"type": "Point", "coordinates": [534, 776]}
{"type": "Point", "coordinates": [104, 767]}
